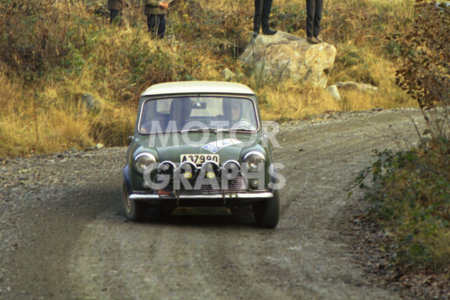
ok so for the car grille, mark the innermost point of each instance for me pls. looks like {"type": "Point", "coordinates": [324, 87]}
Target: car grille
{"type": "Point", "coordinates": [237, 185]}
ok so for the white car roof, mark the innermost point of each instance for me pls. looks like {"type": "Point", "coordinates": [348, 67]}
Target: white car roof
{"type": "Point", "coordinates": [194, 87]}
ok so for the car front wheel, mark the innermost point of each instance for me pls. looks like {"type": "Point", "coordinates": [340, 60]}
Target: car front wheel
{"type": "Point", "coordinates": [134, 210]}
{"type": "Point", "coordinates": [267, 211]}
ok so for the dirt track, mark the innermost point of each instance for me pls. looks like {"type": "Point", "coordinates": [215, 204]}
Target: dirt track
{"type": "Point", "coordinates": [63, 235]}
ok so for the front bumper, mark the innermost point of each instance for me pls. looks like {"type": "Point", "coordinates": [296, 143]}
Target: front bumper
{"type": "Point", "coordinates": [246, 195]}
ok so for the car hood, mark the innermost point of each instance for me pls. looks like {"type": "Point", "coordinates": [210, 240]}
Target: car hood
{"type": "Point", "coordinates": [229, 146]}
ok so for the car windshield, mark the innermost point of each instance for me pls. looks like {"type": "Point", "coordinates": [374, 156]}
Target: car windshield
{"type": "Point", "coordinates": [215, 113]}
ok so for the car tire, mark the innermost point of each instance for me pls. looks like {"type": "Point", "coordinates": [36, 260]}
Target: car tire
{"type": "Point", "coordinates": [134, 210]}
{"type": "Point", "coordinates": [267, 211]}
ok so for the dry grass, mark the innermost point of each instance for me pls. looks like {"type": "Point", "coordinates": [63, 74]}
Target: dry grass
{"type": "Point", "coordinates": [26, 127]}
{"type": "Point", "coordinates": [70, 49]}
{"type": "Point", "coordinates": [293, 102]}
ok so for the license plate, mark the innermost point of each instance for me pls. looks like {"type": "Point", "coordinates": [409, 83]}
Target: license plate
{"type": "Point", "coordinates": [199, 159]}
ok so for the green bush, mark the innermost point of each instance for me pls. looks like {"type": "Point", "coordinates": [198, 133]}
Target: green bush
{"type": "Point", "coordinates": [425, 72]}
{"type": "Point", "coordinates": [410, 196]}
{"type": "Point", "coordinates": [410, 190]}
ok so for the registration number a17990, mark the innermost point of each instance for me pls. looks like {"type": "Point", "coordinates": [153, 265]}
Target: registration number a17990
{"type": "Point", "coordinates": [199, 159]}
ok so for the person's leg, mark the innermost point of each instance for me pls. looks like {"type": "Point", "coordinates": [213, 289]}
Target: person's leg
{"type": "Point", "coordinates": [162, 26]}
{"type": "Point", "coordinates": [265, 17]}
{"type": "Point", "coordinates": [317, 17]}
{"type": "Point", "coordinates": [266, 13]}
{"type": "Point", "coordinates": [310, 12]}
{"type": "Point", "coordinates": [257, 17]}
{"type": "Point", "coordinates": [114, 15]}
{"type": "Point", "coordinates": [151, 24]}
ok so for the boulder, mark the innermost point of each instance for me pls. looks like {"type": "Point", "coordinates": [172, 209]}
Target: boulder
{"type": "Point", "coordinates": [356, 86]}
{"type": "Point", "coordinates": [227, 74]}
{"type": "Point", "coordinates": [283, 55]}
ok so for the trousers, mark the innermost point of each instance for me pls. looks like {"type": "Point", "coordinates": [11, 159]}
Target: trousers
{"type": "Point", "coordinates": [115, 16]}
{"type": "Point", "coordinates": [262, 12]}
{"type": "Point", "coordinates": [157, 25]}
{"type": "Point", "coordinates": [314, 15]}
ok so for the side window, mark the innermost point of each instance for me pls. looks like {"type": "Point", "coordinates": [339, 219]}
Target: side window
{"type": "Point", "coordinates": [155, 116]}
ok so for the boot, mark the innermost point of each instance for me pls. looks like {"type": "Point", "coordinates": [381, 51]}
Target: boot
{"type": "Point", "coordinates": [255, 32]}
{"type": "Point", "coordinates": [311, 40]}
{"type": "Point", "coordinates": [268, 31]}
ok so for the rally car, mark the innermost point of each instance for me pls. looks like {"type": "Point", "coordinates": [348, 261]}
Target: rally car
{"type": "Point", "coordinates": [200, 143]}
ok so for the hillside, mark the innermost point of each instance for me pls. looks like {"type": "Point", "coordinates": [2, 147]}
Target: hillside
{"type": "Point", "coordinates": [70, 79]}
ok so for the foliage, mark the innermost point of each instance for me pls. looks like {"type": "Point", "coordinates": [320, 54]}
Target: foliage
{"type": "Point", "coordinates": [290, 17]}
{"type": "Point", "coordinates": [218, 31]}
{"type": "Point", "coordinates": [28, 45]}
{"type": "Point", "coordinates": [410, 196]}
{"type": "Point", "coordinates": [425, 73]}
{"type": "Point", "coordinates": [54, 51]}
{"type": "Point", "coordinates": [410, 190]}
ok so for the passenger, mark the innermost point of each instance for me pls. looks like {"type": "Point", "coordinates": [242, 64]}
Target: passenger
{"type": "Point", "coordinates": [236, 111]}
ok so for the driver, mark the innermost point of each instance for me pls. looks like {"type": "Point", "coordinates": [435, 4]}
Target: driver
{"type": "Point", "coordinates": [236, 111]}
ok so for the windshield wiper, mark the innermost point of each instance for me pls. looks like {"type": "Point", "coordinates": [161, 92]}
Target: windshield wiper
{"type": "Point", "coordinates": [203, 129]}
{"type": "Point", "coordinates": [214, 129]}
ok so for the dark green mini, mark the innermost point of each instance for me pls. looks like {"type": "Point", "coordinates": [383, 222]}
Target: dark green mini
{"type": "Point", "coordinates": [200, 143]}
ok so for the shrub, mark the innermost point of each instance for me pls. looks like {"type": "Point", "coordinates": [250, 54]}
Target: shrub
{"type": "Point", "coordinates": [410, 190]}
{"type": "Point", "coordinates": [29, 44]}
{"type": "Point", "coordinates": [410, 196]}
{"type": "Point", "coordinates": [425, 73]}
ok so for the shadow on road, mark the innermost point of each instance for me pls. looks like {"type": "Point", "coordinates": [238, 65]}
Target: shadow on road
{"type": "Point", "coordinates": [199, 217]}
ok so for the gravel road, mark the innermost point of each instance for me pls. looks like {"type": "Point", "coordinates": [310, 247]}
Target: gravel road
{"type": "Point", "coordinates": [63, 234]}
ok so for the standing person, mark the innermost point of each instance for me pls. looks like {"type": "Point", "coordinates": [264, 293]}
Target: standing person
{"type": "Point", "coordinates": [156, 17]}
{"type": "Point", "coordinates": [262, 12]}
{"type": "Point", "coordinates": [115, 10]}
{"type": "Point", "coordinates": [314, 15]}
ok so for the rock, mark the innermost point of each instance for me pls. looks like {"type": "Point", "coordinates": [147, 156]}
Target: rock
{"type": "Point", "coordinates": [96, 147]}
{"type": "Point", "coordinates": [228, 74]}
{"type": "Point", "coordinates": [352, 85]}
{"type": "Point", "coordinates": [91, 103]}
{"type": "Point", "coordinates": [284, 55]}
{"type": "Point", "coordinates": [334, 92]}
{"type": "Point", "coordinates": [442, 4]}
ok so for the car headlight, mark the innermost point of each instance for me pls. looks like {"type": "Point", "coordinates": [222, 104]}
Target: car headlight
{"type": "Point", "coordinates": [253, 160]}
{"type": "Point", "coordinates": [143, 161]}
